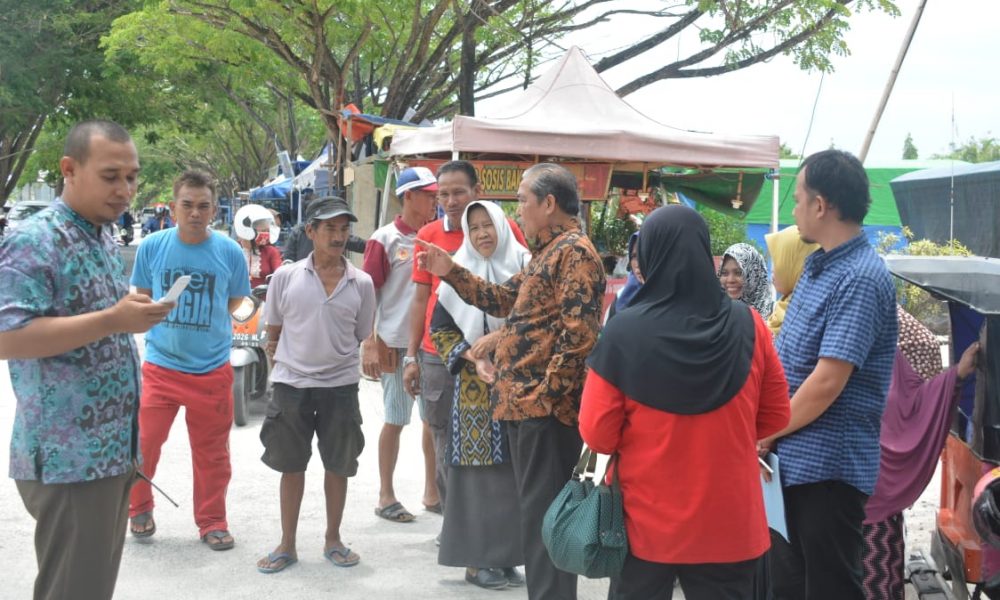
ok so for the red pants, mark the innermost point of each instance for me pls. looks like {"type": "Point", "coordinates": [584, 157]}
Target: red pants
{"type": "Point", "coordinates": [208, 409]}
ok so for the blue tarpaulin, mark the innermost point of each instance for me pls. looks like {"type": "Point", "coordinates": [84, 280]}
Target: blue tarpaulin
{"type": "Point", "coordinates": [278, 190]}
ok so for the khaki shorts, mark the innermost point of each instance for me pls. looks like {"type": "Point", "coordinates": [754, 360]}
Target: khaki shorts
{"type": "Point", "coordinates": [294, 414]}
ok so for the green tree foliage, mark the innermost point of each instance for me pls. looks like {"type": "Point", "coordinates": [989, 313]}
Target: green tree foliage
{"type": "Point", "coordinates": [53, 69]}
{"type": "Point", "coordinates": [395, 56]}
{"type": "Point", "coordinates": [786, 152]}
{"type": "Point", "coordinates": [169, 58]}
{"type": "Point", "coordinates": [910, 149]}
{"type": "Point", "coordinates": [725, 230]}
{"type": "Point", "coordinates": [975, 150]}
{"type": "Point", "coordinates": [736, 34]}
{"type": "Point", "coordinates": [928, 310]}
{"type": "Point", "coordinates": [608, 232]}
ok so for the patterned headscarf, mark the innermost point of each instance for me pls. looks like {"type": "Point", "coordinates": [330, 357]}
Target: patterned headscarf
{"type": "Point", "coordinates": [756, 290]}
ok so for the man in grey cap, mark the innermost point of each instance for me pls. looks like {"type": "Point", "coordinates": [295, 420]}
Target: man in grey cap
{"type": "Point", "coordinates": [318, 311]}
{"type": "Point", "coordinates": [299, 245]}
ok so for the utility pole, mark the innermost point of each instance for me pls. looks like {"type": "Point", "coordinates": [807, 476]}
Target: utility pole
{"type": "Point", "coordinates": [892, 81]}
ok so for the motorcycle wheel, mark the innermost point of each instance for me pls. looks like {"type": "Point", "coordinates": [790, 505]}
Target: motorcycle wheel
{"type": "Point", "coordinates": [259, 385]}
{"type": "Point", "coordinates": [242, 388]}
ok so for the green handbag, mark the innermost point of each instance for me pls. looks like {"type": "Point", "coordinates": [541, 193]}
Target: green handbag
{"type": "Point", "coordinates": [584, 527]}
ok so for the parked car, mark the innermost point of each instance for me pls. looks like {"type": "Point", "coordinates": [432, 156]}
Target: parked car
{"type": "Point", "coordinates": [24, 209]}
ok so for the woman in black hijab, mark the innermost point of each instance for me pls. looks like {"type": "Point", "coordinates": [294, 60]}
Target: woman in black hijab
{"type": "Point", "coordinates": [682, 384]}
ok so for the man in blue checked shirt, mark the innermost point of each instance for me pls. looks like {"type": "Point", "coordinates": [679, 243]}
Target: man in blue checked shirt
{"type": "Point", "coordinates": [837, 347]}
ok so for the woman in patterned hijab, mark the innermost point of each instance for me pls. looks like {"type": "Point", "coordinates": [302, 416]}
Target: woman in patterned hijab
{"type": "Point", "coordinates": [743, 275]}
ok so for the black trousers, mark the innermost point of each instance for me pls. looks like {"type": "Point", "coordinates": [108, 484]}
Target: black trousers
{"type": "Point", "coordinates": [823, 558]}
{"type": "Point", "coordinates": [543, 453]}
{"type": "Point", "coordinates": [644, 580]}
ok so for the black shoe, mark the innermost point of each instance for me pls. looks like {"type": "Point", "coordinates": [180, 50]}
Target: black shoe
{"type": "Point", "coordinates": [490, 579]}
{"type": "Point", "coordinates": [514, 577]}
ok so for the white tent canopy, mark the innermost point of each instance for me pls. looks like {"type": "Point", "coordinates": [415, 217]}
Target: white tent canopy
{"type": "Point", "coordinates": [571, 112]}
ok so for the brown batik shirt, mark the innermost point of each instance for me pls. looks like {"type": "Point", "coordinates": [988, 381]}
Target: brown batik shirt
{"type": "Point", "coordinates": [553, 313]}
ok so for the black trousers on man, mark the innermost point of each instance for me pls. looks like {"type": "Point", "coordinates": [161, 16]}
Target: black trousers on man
{"type": "Point", "coordinates": [645, 580]}
{"type": "Point", "coordinates": [823, 558]}
{"type": "Point", "coordinates": [543, 453]}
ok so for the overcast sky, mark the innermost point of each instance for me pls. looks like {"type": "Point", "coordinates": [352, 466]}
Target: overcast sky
{"type": "Point", "coordinates": [953, 59]}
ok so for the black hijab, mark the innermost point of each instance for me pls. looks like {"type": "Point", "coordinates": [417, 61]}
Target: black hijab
{"type": "Point", "coordinates": [682, 346]}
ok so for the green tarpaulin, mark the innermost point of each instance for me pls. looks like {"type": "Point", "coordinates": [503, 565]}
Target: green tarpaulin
{"type": "Point", "coordinates": [883, 210]}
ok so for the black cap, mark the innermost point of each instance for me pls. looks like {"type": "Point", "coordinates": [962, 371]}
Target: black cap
{"type": "Point", "coordinates": [321, 209]}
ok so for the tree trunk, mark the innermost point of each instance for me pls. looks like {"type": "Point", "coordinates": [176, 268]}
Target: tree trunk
{"type": "Point", "coordinates": [467, 72]}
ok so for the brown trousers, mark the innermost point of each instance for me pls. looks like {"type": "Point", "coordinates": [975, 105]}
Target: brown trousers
{"type": "Point", "coordinates": [79, 535]}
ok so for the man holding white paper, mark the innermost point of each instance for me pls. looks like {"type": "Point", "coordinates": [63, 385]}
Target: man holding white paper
{"type": "Point", "coordinates": [187, 356]}
{"type": "Point", "coordinates": [66, 329]}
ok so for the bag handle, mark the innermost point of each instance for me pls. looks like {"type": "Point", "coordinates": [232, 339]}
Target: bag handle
{"type": "Point", "coordinates": [587, 464]}
{"type": "Point", "coordinates": [611, 522]}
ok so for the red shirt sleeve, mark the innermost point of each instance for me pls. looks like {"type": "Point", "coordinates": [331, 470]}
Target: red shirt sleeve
{"type": "Point", "coordinates": [602, 414]}
{"type": "Point", "coordinates": [420, 275]}
{"type": "Point", "coordinates": [773, 408]}
{"type": "Point", "coordinates": [376, 263]}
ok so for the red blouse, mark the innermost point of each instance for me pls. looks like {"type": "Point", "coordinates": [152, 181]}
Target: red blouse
{"type": "Point", "coordinates": [270, 260]}
{"type": "Point", "coordinates": [691, 483]}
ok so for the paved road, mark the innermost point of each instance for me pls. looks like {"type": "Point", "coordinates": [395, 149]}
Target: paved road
{"type": "Point", "coordinates": [399, 561]}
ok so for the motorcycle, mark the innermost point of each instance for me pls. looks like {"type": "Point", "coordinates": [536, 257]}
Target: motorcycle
{"type": "Point", "coordinates": [251, 365]}
{"type": "Point", "coordinates": [125, 235]}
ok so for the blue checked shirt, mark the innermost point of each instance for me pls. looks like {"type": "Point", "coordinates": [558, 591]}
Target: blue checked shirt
{"type": "Point", "coordinates": [844, 308]}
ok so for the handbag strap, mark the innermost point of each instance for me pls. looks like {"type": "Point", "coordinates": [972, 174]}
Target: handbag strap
{"type": "Point", "coordinates": [587, 464]}
{"type": "Point", "coordinates": [611, 522]}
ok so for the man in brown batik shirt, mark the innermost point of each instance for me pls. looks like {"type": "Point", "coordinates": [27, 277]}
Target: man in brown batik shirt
{"type": "Point", "coordinates": [553, 317]}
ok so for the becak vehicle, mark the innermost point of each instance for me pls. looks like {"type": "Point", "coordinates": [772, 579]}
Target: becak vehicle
{"type": "Point", "coordinates": [966, 540]}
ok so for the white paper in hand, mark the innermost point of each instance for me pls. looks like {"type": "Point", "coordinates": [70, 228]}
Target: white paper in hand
{"type": "Point", "coordinates": [175, 290]}
{"type": "Point", "coordinates": [774, 499]}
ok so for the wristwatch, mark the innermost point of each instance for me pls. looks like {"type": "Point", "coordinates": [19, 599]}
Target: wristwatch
{"type": "Point", "coordinates": [409, 360]}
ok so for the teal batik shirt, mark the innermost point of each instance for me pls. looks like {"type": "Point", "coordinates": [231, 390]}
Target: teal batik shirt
{"type": "Point", "coordinates": [76, 417]}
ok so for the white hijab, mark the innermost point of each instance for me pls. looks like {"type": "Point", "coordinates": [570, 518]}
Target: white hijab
{"type": "Point", "coordinates": [507, 260]}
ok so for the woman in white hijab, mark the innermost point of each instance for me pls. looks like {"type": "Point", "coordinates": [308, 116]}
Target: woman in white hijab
{"type": "Point", "coordinates": [481, 530]}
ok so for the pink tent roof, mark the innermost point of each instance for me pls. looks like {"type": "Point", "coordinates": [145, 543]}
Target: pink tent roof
{"type": "Point", "coordinates": [571, 112]}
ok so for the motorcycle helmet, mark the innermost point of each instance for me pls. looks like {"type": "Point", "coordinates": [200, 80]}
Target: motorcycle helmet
{"type": "Point", "coordinates": [986, 507]}
{"type": "Point", "coordinates": [243, 222]}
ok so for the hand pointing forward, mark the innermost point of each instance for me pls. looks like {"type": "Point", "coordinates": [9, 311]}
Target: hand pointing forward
{"type": "Point", "coordinates": [433, 259]}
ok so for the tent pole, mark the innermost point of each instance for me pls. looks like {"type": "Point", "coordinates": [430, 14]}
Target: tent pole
{"type": "Point", "coordinates": [775, 196]}
{"type": "Point", "coordinates": [389, 172]}
{"type": "Point", "coordinates": [892, 81]}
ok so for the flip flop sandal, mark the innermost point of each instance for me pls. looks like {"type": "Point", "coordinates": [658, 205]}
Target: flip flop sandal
{"type": "Point", "coordinates": [434, 508]}
{"type": "Point", "coordinates": [344, 553]}
{"type": "Point", "coordinates": [286, 559]}
{"type": "Point", "coordinates": [142, 520]}
{"type": "Point", "coordinates": [395, 512]}
{"type": "Point", "coordinates": [218, 534]}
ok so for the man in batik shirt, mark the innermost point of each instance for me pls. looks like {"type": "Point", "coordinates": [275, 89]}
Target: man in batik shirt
{"type": "Point", "coordinates": [553, 312]}
{"type": "Point", "coordinates": [66, 325]}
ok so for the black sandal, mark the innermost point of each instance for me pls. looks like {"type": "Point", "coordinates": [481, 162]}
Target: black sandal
{"type": "Point", "coordinates": [143, 520]}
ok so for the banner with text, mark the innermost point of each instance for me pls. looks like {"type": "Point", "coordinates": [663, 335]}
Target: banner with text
{"type": "Point", "coordinates": [501, 178]}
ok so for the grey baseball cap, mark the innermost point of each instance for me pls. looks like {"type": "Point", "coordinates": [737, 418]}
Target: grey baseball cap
{"type": "Point", "coordinates": [321, 209]}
